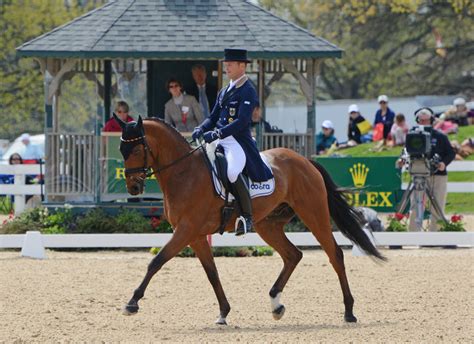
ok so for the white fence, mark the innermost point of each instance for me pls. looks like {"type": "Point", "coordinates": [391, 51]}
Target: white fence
{"type": "Point", "coordinates": [229, 239]}
{"type": "Point", "coordinates": [19, 189]}
{"type": "Point", "coordinates": [456, 187]}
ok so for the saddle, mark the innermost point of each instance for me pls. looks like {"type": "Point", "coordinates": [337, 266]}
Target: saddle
{"type": "Point", "coordinates": [217, 165]}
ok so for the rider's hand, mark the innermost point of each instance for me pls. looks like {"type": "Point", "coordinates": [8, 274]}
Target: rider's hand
{"type": "Point", "coordinates": [210, 136]}
{"type": "Point", "coordinates": [197, 132]}
{"type": "Point", "coordinates": [441, 166]}
{"type": "Point", "coordinates": [400, 163]}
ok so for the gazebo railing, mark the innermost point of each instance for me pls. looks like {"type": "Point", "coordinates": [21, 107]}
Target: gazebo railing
{"type": "Point", "coordinates": [302, 143]}
{"type": "Point", "coordinates": [70, 166]}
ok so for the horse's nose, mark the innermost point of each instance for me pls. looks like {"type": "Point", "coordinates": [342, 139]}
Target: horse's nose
{"type": "Point", "coordinates": [135, 189]}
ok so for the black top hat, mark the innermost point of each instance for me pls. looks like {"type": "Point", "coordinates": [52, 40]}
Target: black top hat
{"type": "Point", "coordinates": [239, 55]}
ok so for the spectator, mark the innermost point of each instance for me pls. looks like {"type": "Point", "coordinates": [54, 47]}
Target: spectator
{"type": "Point", "coordinates": [15, 159]}
{"type": "Point", "coordinates": [122, 111]}
{"type": "Point", "coordinates": [399, 130]}
{"type": "Point", "coordinates": [445, 126]}
{"type": "Point", "coordinates": [32, 152]}
{"type": "Point", "coordinates": [359, 127]}
{"type": "Point", "coordinates": [458, 113]}
{"type": "Point", "coordinates": [182, 110]}
{"type": "Point", "coordinates": [325, 138]}
{"type": "Point", "coordinates": [204, 92]}
{"type": "Point", "coordinates": [385, 116]}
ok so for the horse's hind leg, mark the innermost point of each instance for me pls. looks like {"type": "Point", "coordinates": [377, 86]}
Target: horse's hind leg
{"type": "Point", "coordinates": [177, 242]}
{"type": "Point", "coordinates": [272, 233]}
{"type": "Point", "coordinates": [203, 251]}
{"type": "Point", "coordinates": [320, 226]}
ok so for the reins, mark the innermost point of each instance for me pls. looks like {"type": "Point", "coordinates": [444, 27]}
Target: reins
{"type": "Point", "coordinates": [147, 170]}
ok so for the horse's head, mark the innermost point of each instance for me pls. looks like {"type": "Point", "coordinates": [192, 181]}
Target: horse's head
{"type": "Point", "coordinates": [137, 156]}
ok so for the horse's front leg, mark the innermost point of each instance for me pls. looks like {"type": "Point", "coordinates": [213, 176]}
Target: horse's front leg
{"type": "Point", "coordinates": [203, 251]}
{"type": "Point", "coordinates": [177, 242]}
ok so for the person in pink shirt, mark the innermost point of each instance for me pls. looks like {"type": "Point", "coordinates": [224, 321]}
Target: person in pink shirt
{"type": "Point", "coordinates": [399, 130]}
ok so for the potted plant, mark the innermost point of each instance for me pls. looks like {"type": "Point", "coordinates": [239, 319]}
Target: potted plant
{"type": "Point", "coordinates": [454, 225]}
{"type": "Point", "coordinates": [397, 223]}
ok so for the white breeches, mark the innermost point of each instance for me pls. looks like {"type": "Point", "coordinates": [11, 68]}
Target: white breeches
{"type": "Point", "coordinates": [235, 157]}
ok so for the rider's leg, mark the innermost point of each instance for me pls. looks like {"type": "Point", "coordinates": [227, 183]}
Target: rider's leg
{"type": "Point", "coordinates": [242, 194]}
{"type": "Point", "coordinates": [236, 160]}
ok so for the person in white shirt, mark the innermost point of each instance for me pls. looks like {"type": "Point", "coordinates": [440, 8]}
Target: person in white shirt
{"type": "Point", "coordinates": [32, 151]}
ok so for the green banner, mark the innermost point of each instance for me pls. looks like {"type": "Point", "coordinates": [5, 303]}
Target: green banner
{"type": "Point", "coordinates": [377, 181]}
{"type": "Point", "coordinates": [114, 176]}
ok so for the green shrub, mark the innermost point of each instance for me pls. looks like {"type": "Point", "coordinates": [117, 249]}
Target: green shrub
{"type": "Point", "coordinates": [95, 221]}
{"type": "Point", "coordinates": [160, 226]}
{"type": "Point", "coordinates": [226, 251]}
{"type": "Point", "coordinates": [29, 220]}
{"type": "Point", "coordinates": [295, 225]}
{"type": "Point", "coordinates": [132, 221]}
{"type": "Point", "coordinates": [58, 222]}
{"type": "Point", "coordinates": [262, 251]}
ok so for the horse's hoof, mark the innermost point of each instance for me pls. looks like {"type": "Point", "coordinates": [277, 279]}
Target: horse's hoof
{"type": "Point", "coordinates": [350, 318]}
{"type": "Point", "coordinates": [130, 309]}
{"type": "Point", "coordinates": [221, 321]}
{"type": "Point", "coordinates": [279, 312]}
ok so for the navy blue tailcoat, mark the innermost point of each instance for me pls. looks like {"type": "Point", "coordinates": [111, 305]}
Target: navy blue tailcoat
{"type": "Point", "coordinates": [232, 115]}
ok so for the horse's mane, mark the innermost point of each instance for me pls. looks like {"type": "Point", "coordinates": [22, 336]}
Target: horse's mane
{"type": "Point", "coordinates": [169, 126]}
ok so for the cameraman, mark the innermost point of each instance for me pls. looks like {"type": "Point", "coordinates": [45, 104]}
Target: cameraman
{"type": "Point", "coordinates": [438, 182]}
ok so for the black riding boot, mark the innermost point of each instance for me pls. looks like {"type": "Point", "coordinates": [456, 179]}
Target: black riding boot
{"type": "Point", "coordinates": [242, 195]}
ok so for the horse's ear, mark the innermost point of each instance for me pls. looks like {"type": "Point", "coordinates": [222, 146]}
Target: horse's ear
{"type": "Point", "coordinates": [140, 122]}
{"type": "Point", "coordinates": [119, 121]}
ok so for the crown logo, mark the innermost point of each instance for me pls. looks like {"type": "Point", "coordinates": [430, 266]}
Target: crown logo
{"type": "Point", "coordinates": [359, 174]}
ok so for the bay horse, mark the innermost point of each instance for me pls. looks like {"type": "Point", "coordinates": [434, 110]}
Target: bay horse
{"type": "Point", "coordinates": [192, 208]}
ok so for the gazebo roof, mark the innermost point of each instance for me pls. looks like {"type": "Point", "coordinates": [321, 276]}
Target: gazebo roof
{"type": "Point", "coordinates": [178, 29]}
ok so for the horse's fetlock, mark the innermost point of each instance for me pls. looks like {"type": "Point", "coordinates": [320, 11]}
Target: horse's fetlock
{"type": "Point", "coordinates": [274, 292]}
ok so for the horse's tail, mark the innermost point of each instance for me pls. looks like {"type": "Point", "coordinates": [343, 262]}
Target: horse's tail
{"type": "Point", "coordinates": [348, 220]}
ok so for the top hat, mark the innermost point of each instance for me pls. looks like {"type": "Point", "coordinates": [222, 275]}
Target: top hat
{"type": "Point", "coordinates": [238, 55]}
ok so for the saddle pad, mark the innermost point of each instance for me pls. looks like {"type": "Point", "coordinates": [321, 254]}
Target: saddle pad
{"type": "Point", "coordinates": [257, 189]}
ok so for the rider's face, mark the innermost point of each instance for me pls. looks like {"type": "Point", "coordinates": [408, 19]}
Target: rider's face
{"type": "Point", "coordinates": [234, 69]}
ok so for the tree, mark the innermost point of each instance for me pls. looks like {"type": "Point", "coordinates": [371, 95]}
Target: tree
{"type": "Point", "coordinates": [398, 47]}
{"type": "Point", "coordinates": [21, 82]}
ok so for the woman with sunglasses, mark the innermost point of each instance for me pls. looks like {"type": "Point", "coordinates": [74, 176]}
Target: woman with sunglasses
{"type": "Point", "coordinates": [182, 111]}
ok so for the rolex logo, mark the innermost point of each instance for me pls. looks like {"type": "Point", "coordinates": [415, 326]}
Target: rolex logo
{"type": "Point", "coordinates": [359, 174]}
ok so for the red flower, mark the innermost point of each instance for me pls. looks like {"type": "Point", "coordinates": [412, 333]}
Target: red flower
{"type": "Point", "coordinates": [456, 218]}
{"type": "Point", "coordinates": [399, 216]}
{"type": "Point", "coordinates": [155, 222]}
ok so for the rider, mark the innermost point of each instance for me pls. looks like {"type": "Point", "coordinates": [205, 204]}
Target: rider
{"type": "Point", "coordinates": [229, 123]}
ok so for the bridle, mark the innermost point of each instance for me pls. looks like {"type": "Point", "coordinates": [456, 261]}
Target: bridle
{"type": "Point", "coordinates": [146, 169]}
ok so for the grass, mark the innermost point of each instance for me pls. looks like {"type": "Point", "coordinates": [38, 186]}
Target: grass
{"type": "Point", "coordinates": [5, 205]}
{"type": "Point", "coordinates": [459, 203]}
{"type": "Point", "coordinates": [364, 150]}
{"type": "Point", "coordinates": [452, 177]}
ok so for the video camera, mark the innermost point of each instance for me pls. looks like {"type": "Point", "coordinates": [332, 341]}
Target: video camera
{"type": "Point", "coordinates": [418, 142]}
{"type": "Point", "coordinates": [418, 148]}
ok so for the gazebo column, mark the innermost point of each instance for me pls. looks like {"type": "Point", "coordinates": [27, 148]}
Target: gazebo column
{"type": "Point", "coordinates": [53, 73]}
{"type": "Point", "coordinates": [308, 87]}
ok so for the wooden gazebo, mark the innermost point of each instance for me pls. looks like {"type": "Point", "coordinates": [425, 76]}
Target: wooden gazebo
{"type": "Point", "coordinates": [157, 38]}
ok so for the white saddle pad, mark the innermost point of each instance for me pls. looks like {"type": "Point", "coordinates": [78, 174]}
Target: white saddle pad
{"type": "Point", "coordinates": [257, 189]}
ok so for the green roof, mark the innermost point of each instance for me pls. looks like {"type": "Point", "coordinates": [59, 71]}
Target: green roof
{"type": "Point", "coordinates": [178, 29]}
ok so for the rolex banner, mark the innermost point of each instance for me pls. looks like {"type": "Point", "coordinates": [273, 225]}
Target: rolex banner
{"type": "Point", "coordinates": [113, 175]}
{"type": "Point", "coordinates": [377, 182]}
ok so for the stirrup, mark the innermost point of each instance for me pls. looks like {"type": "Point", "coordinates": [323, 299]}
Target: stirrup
{"type": "Point", "coordinates": [241, 226]}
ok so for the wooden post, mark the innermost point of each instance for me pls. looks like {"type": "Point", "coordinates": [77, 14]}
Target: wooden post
{"type": "Point", "coordinates": [261, 99]}
{"type": "Point", "coordinates": [311, 100]}
{"type": "Point", "coordinates": [107, 89]}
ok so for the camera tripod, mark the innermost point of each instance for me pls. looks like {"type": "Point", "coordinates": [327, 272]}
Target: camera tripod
{"type": "Point", "coordinates": [419, 186]}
